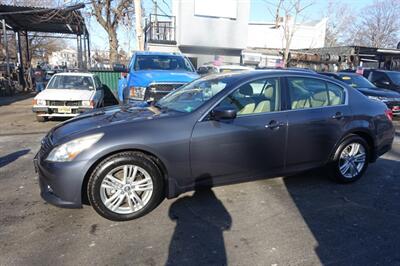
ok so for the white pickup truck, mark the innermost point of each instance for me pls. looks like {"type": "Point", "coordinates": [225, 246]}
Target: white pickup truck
{"type": "Point", "coordinates": [67, 95]}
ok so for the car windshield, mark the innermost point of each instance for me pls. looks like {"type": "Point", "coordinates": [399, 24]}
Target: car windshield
{"type": "Point", "coordinates": [395, 77]}
{"type": "Point", "coordinates": [357, 81]}
{"type": "Point", "coordinates": [71, 82]}
{"type": "Point", "coordinates": [162, 62]}
{"type": "Point", "coordinates": [191, 96]}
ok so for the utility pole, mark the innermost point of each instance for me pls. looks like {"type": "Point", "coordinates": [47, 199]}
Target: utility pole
{"type": "Point", "coordinates": [138, 25]}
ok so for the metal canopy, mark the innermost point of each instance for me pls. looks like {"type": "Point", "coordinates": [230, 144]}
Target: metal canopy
{"type": "Point", "coordinates": [24, 19]}
{"type": "Point", "coordinates": [36, 19]}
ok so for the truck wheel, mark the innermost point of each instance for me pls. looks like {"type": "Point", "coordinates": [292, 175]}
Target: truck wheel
{"type": "Point", "coordinates": [41, 118]}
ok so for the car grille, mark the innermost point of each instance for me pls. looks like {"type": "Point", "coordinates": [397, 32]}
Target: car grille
{"type": "Point", "coordinates": [64, 103]}
{"type": "Point", "coordinates": [45, 147]}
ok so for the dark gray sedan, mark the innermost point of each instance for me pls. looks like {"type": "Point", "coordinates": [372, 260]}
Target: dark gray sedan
{"type": "Point", "coordinates": [216, 130]}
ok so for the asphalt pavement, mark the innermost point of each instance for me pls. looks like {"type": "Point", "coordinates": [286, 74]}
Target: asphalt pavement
{"type": "Point", "coordinates": [299, 220]}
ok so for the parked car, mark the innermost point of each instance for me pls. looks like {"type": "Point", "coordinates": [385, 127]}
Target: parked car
{"type": "Point", "coordinates": [67, 95]}
{"type": "Point", "coordinates": [385, 79]}
{"type": "Point", "coordinates": [390, 98]}
{"type": "Point", "coordinates": [219, 129]}
{"type": "Point", "coordinates": [212, 69]}
{"type": "Point", "coordinates": [152, 75]}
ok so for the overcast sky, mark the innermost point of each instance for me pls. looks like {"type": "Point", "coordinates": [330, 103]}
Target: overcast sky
{"type": "Point", "coordinates": [258, 12]}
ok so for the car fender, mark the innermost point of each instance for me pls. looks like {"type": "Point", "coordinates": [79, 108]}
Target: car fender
{"type": "Point", "coordinates": [354, 127]}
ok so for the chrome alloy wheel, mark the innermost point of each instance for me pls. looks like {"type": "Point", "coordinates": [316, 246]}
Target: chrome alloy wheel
{"type": "Point", "coordinates": [126, 189]}
{"type": "Point", "coordinates": [352, 160]}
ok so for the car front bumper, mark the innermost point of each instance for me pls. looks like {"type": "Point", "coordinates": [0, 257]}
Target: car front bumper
{"type": "Point", "coordinates": [394, 106]}
{"type": "Point", "coordinates": [61, 182]}
{"type": "Point", "coordinates": [53, 111]}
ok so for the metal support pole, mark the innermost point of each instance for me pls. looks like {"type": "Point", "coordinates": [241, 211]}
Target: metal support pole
{"type": "Point", "coordinates": [79, 49]}
{"type": "Point", "coordinates": [88, 47]}
{"type": "Point", "coordinates": [84, 52]}
{"type": "Point", "coordinates": [6, 52]}
{"type": "Point", "coordinates": [20, 61]}
{"type": "Point", "coordinates": [28, 55]}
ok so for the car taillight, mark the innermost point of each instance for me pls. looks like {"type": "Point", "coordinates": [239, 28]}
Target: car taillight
{"type": "Point", "coordinates": [34, 102]}
{"type": "Point", "coordinates": [389, 114]}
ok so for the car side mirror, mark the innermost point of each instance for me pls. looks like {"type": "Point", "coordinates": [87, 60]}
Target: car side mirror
{"type": "Point", "coordinates": [202, 70]}
{"type": "Point", "coordinates": [223, 113]}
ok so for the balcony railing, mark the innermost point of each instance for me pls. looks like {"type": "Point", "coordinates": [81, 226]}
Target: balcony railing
{"type": "Point", "coordinates": [160, 29]}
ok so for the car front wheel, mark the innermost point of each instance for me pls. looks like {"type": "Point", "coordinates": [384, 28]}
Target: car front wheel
{"type": "Point", "coordinates": [41, 118]}
{"type": "Point", "coordinates": [125, 186]}
{"type": "Point", "coordinates": [351, 159]}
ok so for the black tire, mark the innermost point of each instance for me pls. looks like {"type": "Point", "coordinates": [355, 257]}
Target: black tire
{"type": "Point", "coordinates": [334, 166]}
{"type": "Point", "coordinates": [123, 158]}
{"type": "Point", "coordinates": [41, 118]}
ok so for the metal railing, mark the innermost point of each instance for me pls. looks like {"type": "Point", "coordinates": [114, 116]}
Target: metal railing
{"type": "Point", "coordinates": [160, 29]}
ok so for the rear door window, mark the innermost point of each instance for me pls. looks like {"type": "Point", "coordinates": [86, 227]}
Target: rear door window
{"type": "Point", "coordinates": [313, 93]}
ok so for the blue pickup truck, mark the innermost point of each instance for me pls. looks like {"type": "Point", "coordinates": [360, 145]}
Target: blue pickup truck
{"type": "Point", "coordinates": [152, 75]}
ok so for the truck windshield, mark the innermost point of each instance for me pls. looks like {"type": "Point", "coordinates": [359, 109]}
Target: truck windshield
{"type": "Point", "coordinates": [71, 82]}
{"type": "Point", "coordinates": [162, 62]}
{"type": "Point", "coordinates": [191, 96]}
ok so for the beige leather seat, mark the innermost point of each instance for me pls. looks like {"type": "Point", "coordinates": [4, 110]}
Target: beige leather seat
{"type": "Point", "coordinates": [334, 99]}
{"type": "Point", "coordinates": [266, 105]}
{"type": "Point", "coordinates": [245, 105]}
{"type": "Point", "coordinates": [319, 99]}
{"type": "Point", "coordinates": [301, 103]}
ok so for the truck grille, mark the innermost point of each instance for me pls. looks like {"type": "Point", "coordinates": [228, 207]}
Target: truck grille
{"type": "Point", "coordinates": [158, 90]}
{"type": "Point", "coordinates": [64, 103]}
{"type": "Point", "coordinates": [164, 87]}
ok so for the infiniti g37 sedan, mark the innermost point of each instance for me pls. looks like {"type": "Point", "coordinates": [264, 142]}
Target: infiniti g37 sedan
{"type": "Point", "coordinates": [216, 130]}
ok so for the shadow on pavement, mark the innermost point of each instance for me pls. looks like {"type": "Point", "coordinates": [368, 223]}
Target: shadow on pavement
{"type": "Point", "coordinates": [198, 238]}
{"type": "Point", "coordinates": [353, 224]}
{"type": "Point", "coordinates": [12, 157]}
{"type": "Point", "coordinates": [7, 100]}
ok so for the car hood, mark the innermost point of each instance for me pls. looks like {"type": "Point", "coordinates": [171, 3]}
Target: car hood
{"type": "Point", "coordinates": [65, 95]}
{"type": "Point", "coordinates": [106, 117]}
{"type": "Point", "coordinates": [145, 77]}
{"type": "Point", "coordinates": [379, 92]}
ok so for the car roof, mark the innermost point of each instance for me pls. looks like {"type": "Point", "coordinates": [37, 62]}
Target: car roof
{"type": "Point", "coordinates": [83, 74]}
{"type": "Point", "coordinates": [245, 74]}
{"type": "Point", "coordinates": [157, 53]}
{"type": "Point", "coordinates": [384, 70]}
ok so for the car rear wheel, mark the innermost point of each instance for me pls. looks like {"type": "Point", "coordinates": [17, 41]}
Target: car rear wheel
{"type": "Point", "coordinates": [125, 186]}
{"type": "Point", "coordinates": [351, 160]}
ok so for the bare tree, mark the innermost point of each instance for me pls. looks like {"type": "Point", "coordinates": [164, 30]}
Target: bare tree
{"type": "Point", "coordinates": [110, 14]}
{"type": "Point", "coordinates": [379, 25]}
{"type": "Point", "coordinates": [339, 25]}
{"type": "Point", "coordinates": [292, 10]}
{"type": "Point", "coordinates": [138, 24]}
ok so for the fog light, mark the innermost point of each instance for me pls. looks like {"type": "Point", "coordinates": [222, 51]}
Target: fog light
{"type": "Point", "coordinates": [49, 189]}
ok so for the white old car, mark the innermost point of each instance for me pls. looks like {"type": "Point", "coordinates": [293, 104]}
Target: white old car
{"type": "Point", "coordinates": [68, 95]}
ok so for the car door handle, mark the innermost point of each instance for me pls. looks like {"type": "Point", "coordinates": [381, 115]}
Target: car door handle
{"type": "Point", "coordinates": [338, 115]}
{"type": "Point", "coordinates": [274, 125]}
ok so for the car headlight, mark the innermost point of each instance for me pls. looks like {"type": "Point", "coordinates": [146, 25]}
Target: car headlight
{"type": "Point", "coordinates": [39, 102]}
{"type": "Point", "coordinates": [137, 92]}
{"type": "Point", "coordinates": [378, 98]}
{"type": "Point", "coordinates": [68, 151]}
{"type": "Point", "coordinates": [88, 103]}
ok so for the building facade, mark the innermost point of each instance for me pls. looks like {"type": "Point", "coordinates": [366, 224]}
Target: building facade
{"type": "Point", "coordinates": [209, 30]}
